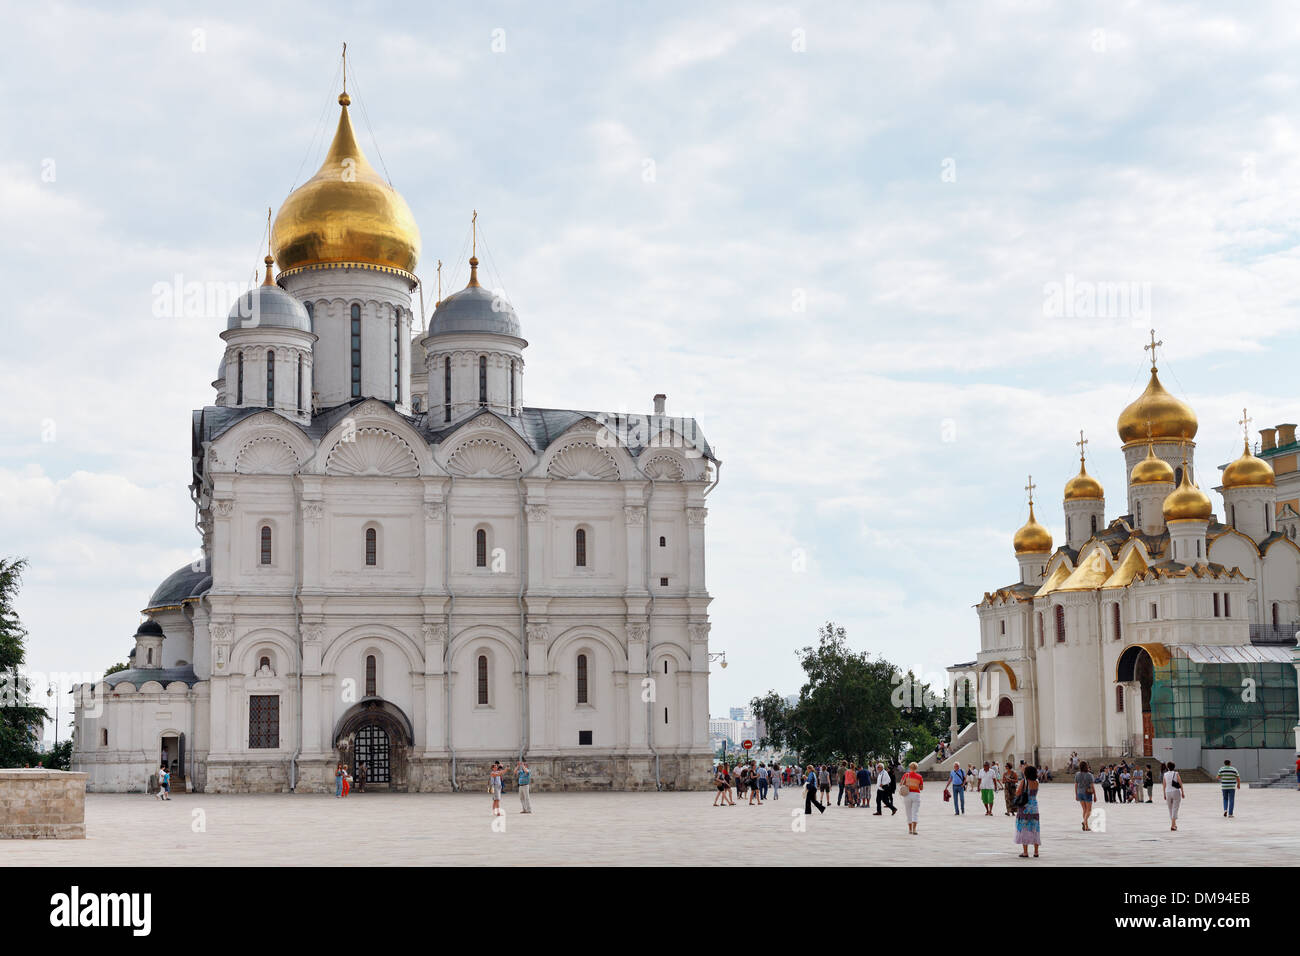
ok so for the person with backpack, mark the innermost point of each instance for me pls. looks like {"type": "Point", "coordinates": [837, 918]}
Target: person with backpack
{"type": "Point", "coordinates": [957, 787]}
{"type": "Point", "coordinates": [1172, 789]}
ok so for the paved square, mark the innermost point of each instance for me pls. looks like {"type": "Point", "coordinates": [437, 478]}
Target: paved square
{"type": "Point", "coordinates": [653, 828]}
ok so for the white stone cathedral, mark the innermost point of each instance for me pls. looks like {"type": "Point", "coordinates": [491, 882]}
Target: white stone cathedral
{"type": "Point", "coordinates": [1165, 632]}
{"type": "Point", "coordinates": [403, 565]}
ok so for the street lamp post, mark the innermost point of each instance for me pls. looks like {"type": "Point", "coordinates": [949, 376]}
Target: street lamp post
{"type": "Point", "coordinates": [720, 655]}
{"type": "Point", "coordinates": [49, 693]}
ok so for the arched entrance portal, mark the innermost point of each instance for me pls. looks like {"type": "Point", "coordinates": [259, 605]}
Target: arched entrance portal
{"type": "Point", "coordinates": [377, 734]}
{"type": "Point", "coordinates": [1136, 665]}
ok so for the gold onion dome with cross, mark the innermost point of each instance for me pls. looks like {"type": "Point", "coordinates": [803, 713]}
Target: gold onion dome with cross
{"type": "Point", "coordinates": [1083, 486]}
{"type": "Point", "coordinates": [1170, 418]}
{"type": "Point", "coordinates": [1032, 538]}
{"type": "Point", "coordinates": [1248, 471]}
{"type": "Point", "coordinates": [346, 214]}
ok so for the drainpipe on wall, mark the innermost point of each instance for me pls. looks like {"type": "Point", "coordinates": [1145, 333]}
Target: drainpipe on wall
{"type": "Point", "coordinates": [297, 613]}
{"type": "Point", "coordinates": [451, 607]}
{"type": "Point", "coordinates": [523, 628]}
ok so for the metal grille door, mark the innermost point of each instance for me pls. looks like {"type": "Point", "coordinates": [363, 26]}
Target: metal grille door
{"type": "Point", "coordinates": [371, 748]}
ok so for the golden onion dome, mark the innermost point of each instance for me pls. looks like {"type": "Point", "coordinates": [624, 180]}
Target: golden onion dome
{"type": "Point", "coordinates": [1168, 417]}
{"type": "Point", "coordinates": [1248, 472]}
{"type": "Point", "coordinates": [346, 213]}
{"type": "Point", "coordinates": [1187, 502]}
{"type": "Point", "coordinates": [1032, 538]}
{"type": "Point", "coordinates": [1151, 470]}
{"type": "Point", "coordinates": [1083, 486]}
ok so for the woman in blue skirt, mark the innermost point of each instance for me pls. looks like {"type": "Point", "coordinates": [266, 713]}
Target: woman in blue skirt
{"type": "Point", "coordinates": [1027, 832]}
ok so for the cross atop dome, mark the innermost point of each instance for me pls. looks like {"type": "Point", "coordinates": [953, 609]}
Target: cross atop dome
{"type": "Point", "coordinates": [1154, 344]}
{"type": "Point", "coordinates": [1030, 488]}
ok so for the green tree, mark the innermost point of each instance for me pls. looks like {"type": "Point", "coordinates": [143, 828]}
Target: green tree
{"type": "Point", "coordinates": [20, 722]}
{"type": "Point", "coordinates": [117, 667]}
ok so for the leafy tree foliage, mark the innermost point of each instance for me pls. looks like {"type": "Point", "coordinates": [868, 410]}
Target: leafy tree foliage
{"type": "Point", "coordinates": [853, 706]}
{"type": "Point", "coordinates": [20, 723]}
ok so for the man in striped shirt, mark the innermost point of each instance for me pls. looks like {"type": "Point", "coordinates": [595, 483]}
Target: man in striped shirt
{"type": "Point", "coordinates": [1230, 781]}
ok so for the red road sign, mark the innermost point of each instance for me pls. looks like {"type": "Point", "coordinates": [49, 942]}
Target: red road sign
{"type": "Point", "coordinates": [747, 744]}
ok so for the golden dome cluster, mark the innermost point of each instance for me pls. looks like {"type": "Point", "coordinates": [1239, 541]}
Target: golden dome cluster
{"type": "Point", "coordinates": [1151, 470]}
{"type": "Point", "coordinates": [347, 213]}
{"type": "Point", "coordinates": [1032, 538]}
{"type": "Point", "coordinates": [1187, 502]}
{"type": "Point", "coordinates": [1168, 417]}
{"type": "Point", "coordinates": [1248, 471]}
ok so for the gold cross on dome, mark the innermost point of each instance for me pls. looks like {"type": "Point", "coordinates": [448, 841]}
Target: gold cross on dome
{"type": "Point", "coordinates": [1245, 425]}
{"type": "Point", "coordinates": [473, 224]}
{"type": "Point", "coordinates": [1030, 488]}
{"type": "Point", "coordinates": [1152, 347]}
{"type": "Point", "coordinates": [1080, 444]}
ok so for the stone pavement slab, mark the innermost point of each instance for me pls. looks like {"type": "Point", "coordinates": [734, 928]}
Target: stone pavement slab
{"type": "Point", "coordinates": [632, 829]}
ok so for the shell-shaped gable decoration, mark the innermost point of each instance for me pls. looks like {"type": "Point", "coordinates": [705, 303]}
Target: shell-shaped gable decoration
{"type": "Point", "coordinates": [373, 452]}
{"type": "Point", "coordinates": [484, 458]}
{"type": "Point", "coordinates": [266, 456]}
{"type": "Point", "coordinates": [583, 460]}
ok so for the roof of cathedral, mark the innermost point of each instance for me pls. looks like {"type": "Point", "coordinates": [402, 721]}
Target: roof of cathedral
{"type": "Point", "coordinates": [267, 306]}
{"type": "Point", "coordinates": [1170, 568]}
{"type": "Point", "coordinates": [1017, 591]}
{"type": "Point", "coordinates": [1156, 414]}
{"type": "Point", "coordinates": [475, 309]}
{"type": "Point", "coordinates": [183, 584]}
{"type": "Point", "coordinates": [138, 676]}
{"type": "Point", "coordinates": [538, 427]}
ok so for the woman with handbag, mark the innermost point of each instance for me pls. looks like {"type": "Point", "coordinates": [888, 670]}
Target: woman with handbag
{"type": "Point", "coordinates": [1085, 791]}
{"type": "Point", "coordinates": [913, 783]}
{"type": "Point", "coordinates": [1027, 830]}
{"type": "Point", "coordinates": [1172, 787]}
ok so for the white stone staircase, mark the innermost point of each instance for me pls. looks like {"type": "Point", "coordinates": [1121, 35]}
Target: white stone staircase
{"type": "Point", "coordinates": [967, 751]}
{"type": "Point", "coordinates": [1282, 780]}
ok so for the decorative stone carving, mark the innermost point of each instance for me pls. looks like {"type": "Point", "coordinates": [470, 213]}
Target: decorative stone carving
{"type": "Point", "coordinates": [537, 512]}
{"type": "Point", "coordinates": [664, 468]}
{"type": "Point", "coordinates": [223, 508]}
{"type": "Point", "coordinates": [312, 511]}
{"type": "Point", "coordinates": [311, 633]}
{"type": "Point", "coordinates": [267, 455]}
{"type": "Point", "coordinates": [699, 631]}
{"type": "Point", "coordinates": [634, 514]}
{"type": "Point", "coordinates": [696, 516]}
{"type": "Point", "coordinates": [486, 421]}
{"type": "Point", "coordinates": [538, 632]}
{"type": "Point", "coordinates": [433, 510]}
{"type": "Point", "coordinates": [221, 631]}
{"type": "Point", "coordinates": [637, 631]}
{"type": "Point", "coordinates": [433, 632]}
{"type": "Point", "coordinates": [484, 458]}
{"type": "Point", "coordinates": [373, 452]}
{"type": "Point", "coordinates": [583, 460]}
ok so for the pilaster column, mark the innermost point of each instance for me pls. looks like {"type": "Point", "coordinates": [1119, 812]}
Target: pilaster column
{"type": "Point", "coordinates": [435, 526]}
{"type": "Point", "coordinates": [311, 681]}
{"type": "Point", "coordinates": [538, 525]}
{"type": "Point", "coordinates": [435, 647]}
{"type": "Point", "coordinates": [695, 518]}
{"type": "Point", "coordinates": [637, 632]}
{"type": "Point", "coordinates": [699, 688]}
{"type": "Point", "coordinates": [539, 635]}
{"type": "Point", "coordinates": [634, 519]}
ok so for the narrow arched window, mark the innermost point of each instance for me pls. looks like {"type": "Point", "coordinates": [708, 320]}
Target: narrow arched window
{"type": "Point", "coordinates": [239, 380]}
{"type": "Point", "coordinates": [1216, 603]}
{"type": "Point", "coordinates": [397, 356]}
{"type": "Point", "coordinates": [300, 383]}
{"type": "Point", "coordinates": [482, 379]}
{"type": "Point", "coordinates": [1114, 611]}
{"type": "Point", "coordinates": [1266, 524]}
{"type": "Point", "coordinates": [663, 542]}
{"type": "Point", "coordinates": [356, 350]}
{"type": "Point", "coordinates": [370, 675]}
{"type": "Point", "coordinates": [1060, 624]}
{"type": "Point", "coordinates": [149, 656]}
{"type": "Point", "coordinates": [270, 378]}
{"type": "Point", "coordinates": [483, 679]}
{"type": "Point", "coordinates": [446, 389]}
{"type": "Point", "coordinates": [266, 544]}
{"type": "Point", "coordinates": [372, 547]}
{"type": "Point", "coordinates": [103, 737]}
{"type": "Point", "coordinates": [1276, 622]}
{"type": "Point", "coordinates": [1226, 612]}
{"type": "Point", "coordinates": [1094, 524]}
{"type": "Point", "coordinates": [480, 548]}
{"type": "Point", "coordinates": [512, 387]}
{"type": "Point", "coordinates": [1068, 532]}
{"type": "Point", "coordinates": [264, 662]}
{"type": "Point", "coordinates": [1006, 708]}
{"type": "Point", "coordinates": [1040, 628]}
{"type": "Point", "coordinates": [582, 678]}
{"type": "Point", "coordinates": [1178, 476]}
{"type": "Point", "coordinates": [311, 316]}
{"type": "Point", "coordinates": [1139, 514]}
{"type": "Point", "coordinates": [580, 548]}
{"type": "Point", "coordinates": [1234, 516]}
{"type": "Point", "coordinates": [1119, 699]}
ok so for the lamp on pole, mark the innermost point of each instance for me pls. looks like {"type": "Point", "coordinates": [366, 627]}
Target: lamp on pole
{"type": "Point", "coordinates": [720, 655]}
{"type": "Point", "coordinates": [49, 693]}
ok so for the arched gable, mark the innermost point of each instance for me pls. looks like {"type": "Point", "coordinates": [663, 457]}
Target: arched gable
{"type": "Point", "coordinates": [497, 637]}
{"type": "Point", "coordinates": [485, 447]}
{"type": "Point", "coordinates": [243, 653]}
{"type": "Point", "coordinates": [264, 443]}
{"type": "Point", "coordinates": [373, 440]}
{"type": "Point", "coordinates": [1232, 549]}
{"type": "Point", "coordinates": [376, 633]}
{"type": "Point", "coordinates": [580, 634]}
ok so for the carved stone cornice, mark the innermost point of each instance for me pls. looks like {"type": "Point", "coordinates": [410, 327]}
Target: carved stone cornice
{"type": "Point", "coordinates": [312, 511]}
{"type": "Point", "coordinates": [433, 632]}
{"type": "Point", "coordinates": [637, 631]}
{"type": "Point", "coordinates": [634, 515]}
{"type": "Point", "coordinates": [311, 633]}
{"type": "Point", "coordinates": [221, 631]}
{"type": "Point", "coordinates": [696, 516]}
{"type": "Point", "coordinates": [433, 510]}
{"type": "Point", "coordinates": [539, 632]}
{"type": "Point", "coordinates": [699, 631]}
{"type": "Point", "coordinates": [537, 512]}
{"type": "Point", "coordinates": [223, 507]}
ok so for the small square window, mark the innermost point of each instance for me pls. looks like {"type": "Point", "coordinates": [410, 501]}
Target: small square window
{"type": "Point", "coordinates": [584, 738]}
{"type": "Point", "coordinates": [663, 582]}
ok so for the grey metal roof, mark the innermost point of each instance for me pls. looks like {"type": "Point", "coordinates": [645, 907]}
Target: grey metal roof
{"type": "Point", "coordinates": [163, 675]}
{"type": "Point", "coordinates": [474, 309]}
{"type": "Point", "coordinates": [268, 306]}
{"type": "Point", "coordinates": [181, 584]}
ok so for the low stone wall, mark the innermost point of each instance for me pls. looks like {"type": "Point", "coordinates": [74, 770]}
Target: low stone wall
{"type": "Point", "coordinates": [42, 804]}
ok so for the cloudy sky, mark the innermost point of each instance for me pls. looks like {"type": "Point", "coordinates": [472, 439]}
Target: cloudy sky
{"type": "Point", "coordinates": [832, 232]}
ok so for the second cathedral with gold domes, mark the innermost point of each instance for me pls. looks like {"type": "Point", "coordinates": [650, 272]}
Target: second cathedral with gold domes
{"type": "Point", "coordinates": [405, 569]}
{"type": "Point", "coordinates": [1165, 632]}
